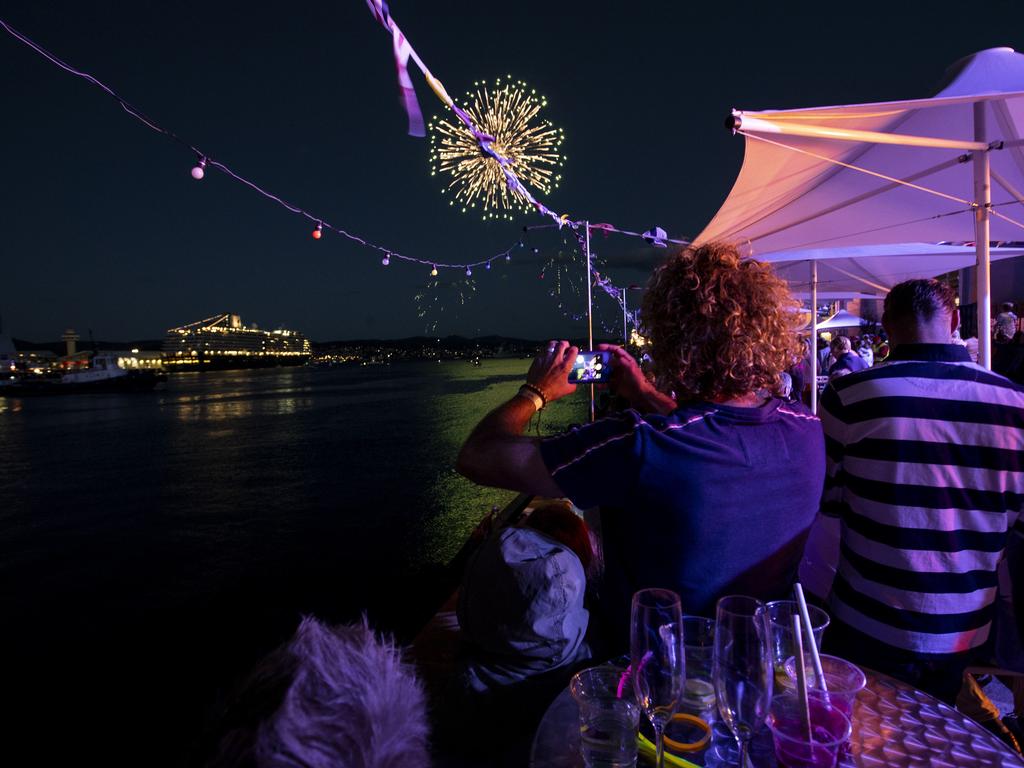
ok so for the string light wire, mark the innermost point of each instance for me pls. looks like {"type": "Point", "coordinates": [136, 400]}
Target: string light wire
{"type": "Point", "coordinates": [205, 161]}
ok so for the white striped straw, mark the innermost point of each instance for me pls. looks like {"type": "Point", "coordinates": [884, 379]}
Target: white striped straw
{"type": "Point", "coordinates": [801, 678]}
{"type": "Point", "coordinates": [806, 616]}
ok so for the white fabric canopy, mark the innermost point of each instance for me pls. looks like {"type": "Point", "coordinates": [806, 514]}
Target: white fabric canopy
{"type": "Point", "coordinates": [902, 171]}
{"type": "Point", "coordinates": [785, 200]}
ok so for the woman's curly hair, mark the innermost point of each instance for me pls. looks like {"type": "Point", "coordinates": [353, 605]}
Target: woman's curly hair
{"type": "Point", "coordinates": [719, 326]}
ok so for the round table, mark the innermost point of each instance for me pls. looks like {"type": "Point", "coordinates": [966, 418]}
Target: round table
{"type": "Point", "coordinates": [894, 724]}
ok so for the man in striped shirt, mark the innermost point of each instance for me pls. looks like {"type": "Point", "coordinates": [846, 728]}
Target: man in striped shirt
{"type": "Point", "coordinates": [924, 468]}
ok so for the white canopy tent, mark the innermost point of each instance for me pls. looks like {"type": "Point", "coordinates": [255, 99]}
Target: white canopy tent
{"type": "Point", "coordinates": [918, 171]}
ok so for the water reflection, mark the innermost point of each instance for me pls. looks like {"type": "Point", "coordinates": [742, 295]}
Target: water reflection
{"type": "Point", "coordinates": [10, 405]}
{"type": "Point", "coordinates": [237, 406]}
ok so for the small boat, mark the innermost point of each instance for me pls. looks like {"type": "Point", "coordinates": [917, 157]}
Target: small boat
{"type": "Point", "coordinates": [103, 375]}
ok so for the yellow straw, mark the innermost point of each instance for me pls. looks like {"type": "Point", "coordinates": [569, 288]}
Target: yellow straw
{"type": "Point", "coordinates": [648, 752]}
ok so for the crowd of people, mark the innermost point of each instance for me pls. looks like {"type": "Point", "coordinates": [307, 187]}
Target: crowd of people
{"type": "Point", "coordinates": [708, 481]}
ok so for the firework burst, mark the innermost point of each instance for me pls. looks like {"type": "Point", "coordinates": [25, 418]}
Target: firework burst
{"type": "Point", "coordinates": [564, 273]}
{"type": "Point", "coordinates": [508, 111]}
{"type": "Point", "coordinates": [441, 301]}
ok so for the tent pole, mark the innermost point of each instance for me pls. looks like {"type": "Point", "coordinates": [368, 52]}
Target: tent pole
{"type": "Point", "coordinates": [983, 204]}
{"type": "Point", "coordinates": [814, 337]}
{"type": "Point", "coordinates": [590, 309]}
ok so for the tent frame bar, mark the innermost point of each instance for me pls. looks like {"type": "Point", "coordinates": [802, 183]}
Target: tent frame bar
{"type": "Point", "coordinates": [761, 125]}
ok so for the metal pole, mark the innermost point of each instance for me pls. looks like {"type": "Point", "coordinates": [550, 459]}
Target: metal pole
{"type": "Point", "coordinates": [625, 320]}
{"type": "Point", "coordinates": [814, 337]}
{"type": "Point", "coordinates": [983, 202]}
{"type": "Point", "coordinates": [590, 310]}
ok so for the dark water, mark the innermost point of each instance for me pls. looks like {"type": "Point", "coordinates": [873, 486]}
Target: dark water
{"type": "Point", "coordinates": [153, 546]}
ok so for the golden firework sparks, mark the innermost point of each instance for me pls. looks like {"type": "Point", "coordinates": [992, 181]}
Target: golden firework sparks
{"type": "Point", "coordinates": [509, 111]}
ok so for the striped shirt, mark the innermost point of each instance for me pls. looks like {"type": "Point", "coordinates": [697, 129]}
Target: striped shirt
{"type": "Point", "coordinates": [925, 468]}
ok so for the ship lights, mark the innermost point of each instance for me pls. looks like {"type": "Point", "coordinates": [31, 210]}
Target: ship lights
{"type": "Point", "coordinates": [199, 170]}
{"type": "Point", "coordinates": [433, 272]}
{"type": "Point", "coordinates": [319, 231]}
{"type": "Point", "coordinates": [386, 260]}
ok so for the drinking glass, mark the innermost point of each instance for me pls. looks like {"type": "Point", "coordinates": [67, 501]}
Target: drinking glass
{"type": "Point", "coordinates": [794, 746]}
{"type": "Point", "coordinates": [742, 667]}
{"type": "Point", "coordinates": [657, 660]}
{"type": "Point", "coordinates": [608, 718]}
{"type": "Point", "coordinates": [843, 679]}
{"type": "Point", "coordinates": [783, 641]}
{"type": "Point", "coordinates": [699, 646]}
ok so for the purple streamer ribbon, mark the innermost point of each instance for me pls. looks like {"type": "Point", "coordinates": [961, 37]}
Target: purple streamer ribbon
{"type": "Point", "coordinates": [402, 51]}
{"type": "Point", "coordinates": [408, 93]}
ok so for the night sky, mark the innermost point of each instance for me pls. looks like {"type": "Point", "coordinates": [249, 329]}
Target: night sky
{"type": "Point", "coordinates": [103, 228]}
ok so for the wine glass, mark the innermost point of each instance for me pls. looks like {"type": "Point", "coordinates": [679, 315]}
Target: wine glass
{"type": "Point", "coordinates": [742, 668]}
{"type": "Point", "coordinates": [657, 657]}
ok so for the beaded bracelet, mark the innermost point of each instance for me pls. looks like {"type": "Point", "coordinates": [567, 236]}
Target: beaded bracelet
{"type": "Point", "coordinates": [532, 396]}
{"type": "Point", "coordinates": [537, 391]}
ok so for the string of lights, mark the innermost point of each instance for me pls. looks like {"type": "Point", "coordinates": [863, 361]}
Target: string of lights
{"type": "Point", "coordinates": [205, 161]}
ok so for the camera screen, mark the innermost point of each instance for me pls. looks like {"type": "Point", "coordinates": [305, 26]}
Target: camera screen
{"type": "Point", "coordinates": [590, 368]}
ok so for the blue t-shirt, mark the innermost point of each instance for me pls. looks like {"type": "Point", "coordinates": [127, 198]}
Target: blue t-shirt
{"type": "Point", "coordinates": [708, 501]}
{"type": "Point", "coordinates": [851, 361]}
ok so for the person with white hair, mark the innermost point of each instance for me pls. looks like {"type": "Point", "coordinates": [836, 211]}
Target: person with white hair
{"type": "Point", "coordinates": [785, 390]}
{"type": "Point", "coordinates": [332, 697]}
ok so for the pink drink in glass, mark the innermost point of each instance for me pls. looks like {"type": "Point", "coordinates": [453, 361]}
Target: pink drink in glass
{"type": "Point", "coordinates": [830, 729]}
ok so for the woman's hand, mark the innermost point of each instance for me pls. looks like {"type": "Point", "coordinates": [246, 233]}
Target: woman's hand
{"type": "Point", "coordinates": [550, 370]}
{"type": "Point", "coordinates": [629, 382]}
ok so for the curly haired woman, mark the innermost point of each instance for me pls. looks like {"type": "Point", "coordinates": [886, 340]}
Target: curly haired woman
{"type": "Point", "coordinates": [709, 483]}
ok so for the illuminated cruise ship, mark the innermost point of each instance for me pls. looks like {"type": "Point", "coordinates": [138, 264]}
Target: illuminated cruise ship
{"type": "Point", "coordinates": [222, 341]}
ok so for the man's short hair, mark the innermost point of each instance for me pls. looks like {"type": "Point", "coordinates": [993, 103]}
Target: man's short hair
{"type": "Point", "coordinates": [719, 326]}
{"type": "Point", "coordinates": [919, 300]}
{"type": "Point", "coordinates": [841, 345]}
{"type": "Point", "coordinates": [1006, 306]}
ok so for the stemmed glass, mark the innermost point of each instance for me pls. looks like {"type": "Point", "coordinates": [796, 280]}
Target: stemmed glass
{"type": "Point", "coordinates": [742, 668]}
{"type": "Point", "coordinates": [656, 657]}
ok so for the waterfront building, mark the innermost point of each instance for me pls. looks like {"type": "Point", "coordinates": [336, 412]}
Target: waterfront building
{"type": "Point", "coordinates": [222, 341]}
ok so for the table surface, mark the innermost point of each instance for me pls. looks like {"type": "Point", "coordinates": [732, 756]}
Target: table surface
{"type": "Point", "coordinates": [894, 724]}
